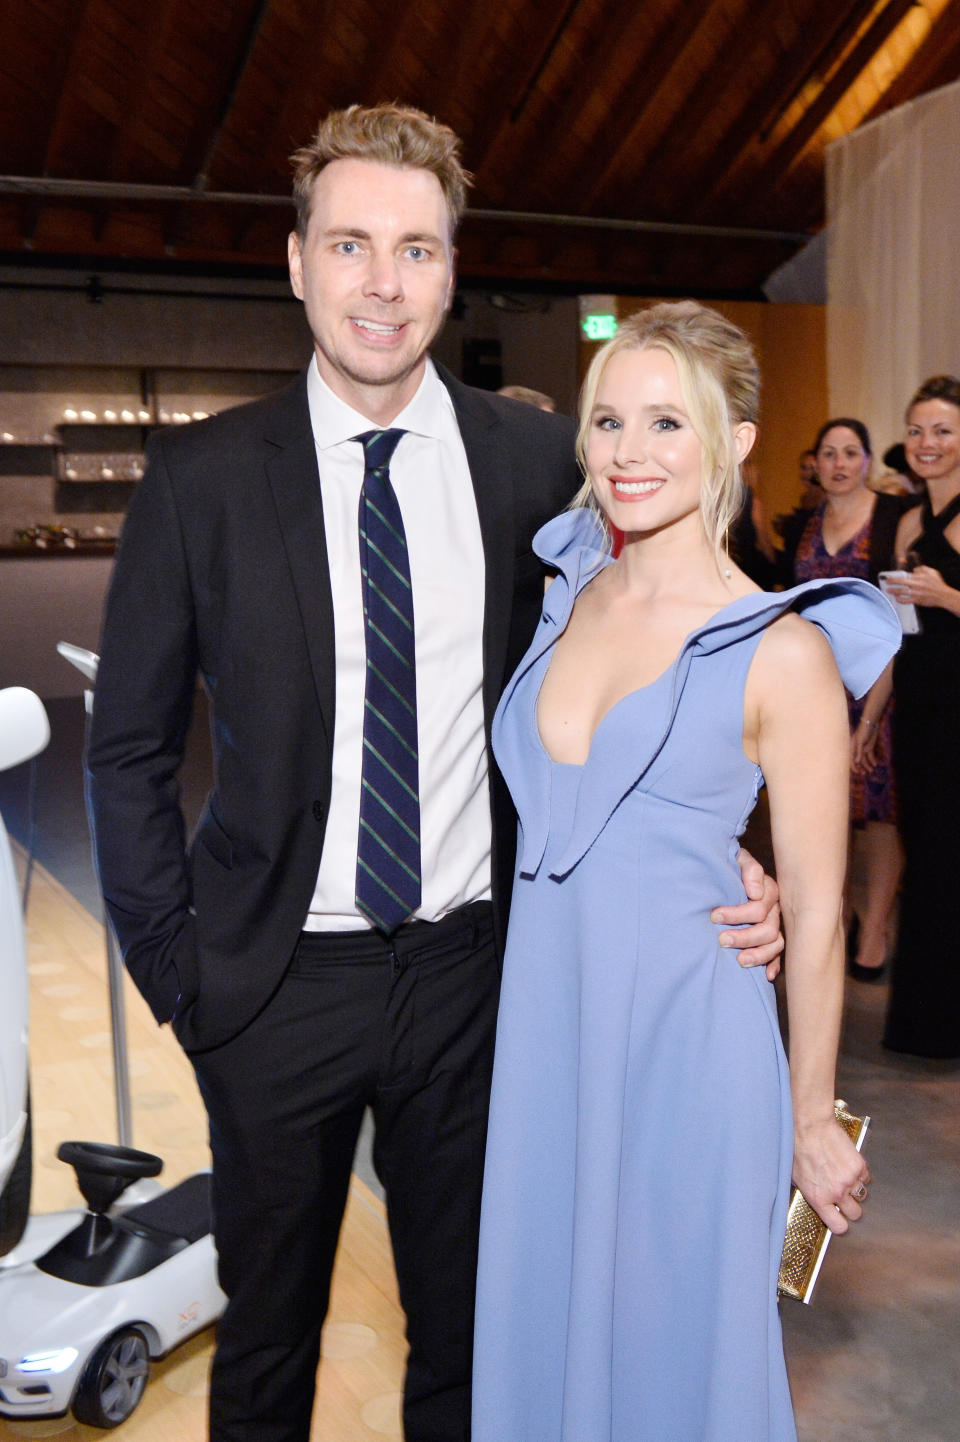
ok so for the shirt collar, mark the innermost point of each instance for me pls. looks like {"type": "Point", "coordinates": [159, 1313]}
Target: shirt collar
{"type": "Point", "coordinates": [333, 421]}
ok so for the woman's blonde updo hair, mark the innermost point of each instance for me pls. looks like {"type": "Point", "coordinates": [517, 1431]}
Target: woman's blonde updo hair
{"type": "Point", "coordinates": [720, 385]}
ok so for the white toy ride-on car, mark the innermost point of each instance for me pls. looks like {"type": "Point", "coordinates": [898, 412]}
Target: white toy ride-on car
{"type": "Point", "coordinates": [89, 1297]}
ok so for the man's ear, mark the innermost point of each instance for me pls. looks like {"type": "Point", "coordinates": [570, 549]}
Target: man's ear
{"type": "Point", "coordinates": [452, 284]}
{"type": "Point", "coordinates": [295, 263]}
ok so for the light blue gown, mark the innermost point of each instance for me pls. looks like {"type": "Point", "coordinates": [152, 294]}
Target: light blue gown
{"type": "Point", "coordinates": [640, 1145]}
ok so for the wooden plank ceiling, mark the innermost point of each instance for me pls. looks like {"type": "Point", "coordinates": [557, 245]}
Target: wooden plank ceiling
{"type": "Point", "coordinates": [671, 113]}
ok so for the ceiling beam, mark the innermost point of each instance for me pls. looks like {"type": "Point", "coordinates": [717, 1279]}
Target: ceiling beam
{"type": "Point", "coordinates": [237, 76]}
{"type": "Point", "coordinates": [621, 223]}
{"type": "Point", "coordinates": [306, 44]}
{"type": "Point", "coordinates": [91, 190]}
{"type": "Point", "coordinates": [175, 225]}
{"type": "Point", "coordinates": [52, 186]}
{"type": "Point", "coordinates": [679, 179]}
{"type": "Point", "coordinates": [542, 61]}
{"type": "Point", "coordinates": [594, 181]}
{"type": "Point", "coordinates": [778, 163]}
{"type": "Point", "coordinates": [936, 62]}
{"type": "Point", "coordinates": [518, 83]}
{"type": "Point", "coordinates": [693, 195]}
{"type": "Point", "coordinates": [56, 79]}
{"type": "Point", "coordinates": [836, 25]}
{"type": "Point", "coordinates": [503, 158]}
{"type": "Point", "coordinates": [66, 71]}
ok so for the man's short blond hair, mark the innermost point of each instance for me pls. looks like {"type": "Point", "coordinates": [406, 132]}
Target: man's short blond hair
{"type": "Point", "coordinates": [388, 135]}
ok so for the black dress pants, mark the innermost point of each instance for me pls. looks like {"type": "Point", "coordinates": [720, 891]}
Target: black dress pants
{"type": "Point", "coordinates": [405, 1026]}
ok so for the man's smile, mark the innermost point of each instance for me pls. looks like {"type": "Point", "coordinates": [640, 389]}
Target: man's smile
{"type": "Point", "coordinates": [375, 327]}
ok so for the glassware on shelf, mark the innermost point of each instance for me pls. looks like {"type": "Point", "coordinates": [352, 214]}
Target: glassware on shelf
{"type": "Point", "coordinates": [101, 466]}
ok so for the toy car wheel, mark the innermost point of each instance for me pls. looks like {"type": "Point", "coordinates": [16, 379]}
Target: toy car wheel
{"type": "Point", "coordinates": [15, 1196]}
{"type": "Point", "coordinates": [113, 1380]}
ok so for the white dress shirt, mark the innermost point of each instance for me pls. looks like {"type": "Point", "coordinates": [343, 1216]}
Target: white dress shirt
{"type": "Point", "coordinates": [431, 478]}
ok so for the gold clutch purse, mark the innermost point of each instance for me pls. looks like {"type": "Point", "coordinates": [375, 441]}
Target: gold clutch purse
{"type": "Point", "coordinates": [807, 1239]}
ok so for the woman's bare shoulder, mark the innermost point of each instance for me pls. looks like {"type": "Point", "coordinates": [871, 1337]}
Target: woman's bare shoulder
{"type": "Point", "coordinates": [793, 679]}
{"type": "Point", "coordinates": [793, 652]}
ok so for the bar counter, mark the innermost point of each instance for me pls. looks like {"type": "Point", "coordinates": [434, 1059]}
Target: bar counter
{"type": "Point", "coordinates": [105, 547]}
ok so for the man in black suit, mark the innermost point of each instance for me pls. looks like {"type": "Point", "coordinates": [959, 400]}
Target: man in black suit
{"type": "Point", "coordinates": [240, 561]}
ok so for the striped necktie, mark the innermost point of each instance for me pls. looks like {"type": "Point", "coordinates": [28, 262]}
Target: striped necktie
{"type": "Point", "coordinates": [388, 845]}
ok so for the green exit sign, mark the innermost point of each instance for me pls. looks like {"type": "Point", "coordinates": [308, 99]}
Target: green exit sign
{"type": "Point", "coordinates": [599, 327]}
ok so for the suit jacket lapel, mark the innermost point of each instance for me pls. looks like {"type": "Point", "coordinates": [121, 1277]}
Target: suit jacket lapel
{"type": "Point", "coordinates": [291, 467]}
{"type": "Point", "coordinates": [480, 428]}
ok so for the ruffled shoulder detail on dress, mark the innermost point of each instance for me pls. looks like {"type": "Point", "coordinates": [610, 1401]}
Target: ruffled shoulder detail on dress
{"type": "Point", "coordinates": [855, 616]}
{"type": "Point", "coordinates": [574, 544]}
{"type": "Point", "coordinates": [857, 620]}
{"type": "Point", "coordinates": [574, 537]}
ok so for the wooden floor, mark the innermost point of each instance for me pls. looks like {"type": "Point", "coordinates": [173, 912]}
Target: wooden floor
{"type": "Point", "coordinates": [872, 1361]}
{"type": "Point", "coordinates": [358, 1397]}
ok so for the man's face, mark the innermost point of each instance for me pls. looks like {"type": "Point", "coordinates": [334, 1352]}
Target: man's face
{"type": "Point", "coordinates": [375, 273]}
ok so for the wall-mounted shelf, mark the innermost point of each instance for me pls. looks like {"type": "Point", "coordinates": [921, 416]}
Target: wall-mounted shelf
{"type": "Point", "coordinates": [104, 459]}
{"type": "Point", "coordinates": [95, 464]}
{"type": "Point", "coordinates": [72, 438]}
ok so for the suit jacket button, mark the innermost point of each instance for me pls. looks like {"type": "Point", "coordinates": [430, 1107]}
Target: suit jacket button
{"type": "Point", "coordinates": [319, 811]}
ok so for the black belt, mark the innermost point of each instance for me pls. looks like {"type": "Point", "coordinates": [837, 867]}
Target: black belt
{"type": "Point", "coordinates": [411, 937]}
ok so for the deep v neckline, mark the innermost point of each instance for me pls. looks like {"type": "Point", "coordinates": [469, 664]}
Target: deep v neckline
{"type": "Point", "coordinates": [627, 696]}
{"type": "Point", "coordinates": [664, 675]}
{"type": "Point", "coordinates": [851, 539]}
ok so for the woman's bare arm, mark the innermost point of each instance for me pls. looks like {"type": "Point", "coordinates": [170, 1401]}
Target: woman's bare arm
{"type": "Point", "coordinates": [863, 743]}
{"type": "Point", "coordinates": [796, 703]}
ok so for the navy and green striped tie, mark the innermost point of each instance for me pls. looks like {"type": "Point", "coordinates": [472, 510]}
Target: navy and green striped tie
{"type": "Point", "coordinates": [388, 846]}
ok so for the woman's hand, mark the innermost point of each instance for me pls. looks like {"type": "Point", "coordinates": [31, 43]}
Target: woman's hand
{"type": "Point", "coordinates": [863, 747]}
{"type": "Point", "coordinates": [830, 1172]}
{"type": "Point", "coordinates": [925, 587]}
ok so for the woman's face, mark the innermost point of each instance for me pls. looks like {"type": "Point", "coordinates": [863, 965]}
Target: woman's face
{"type": "Point", "coordinates": [842, 463]}
{"type": "Point", "coordinates": [932, 442]}
{"type": "Point", "coordinates": [643, 455]}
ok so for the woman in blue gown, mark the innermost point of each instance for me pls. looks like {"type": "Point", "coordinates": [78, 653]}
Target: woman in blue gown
{"type": "Point", "coordinates": [642, 1138]}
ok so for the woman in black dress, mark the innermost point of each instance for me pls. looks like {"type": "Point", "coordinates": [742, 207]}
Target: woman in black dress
{"type": "Point", "coordinates": [851, 533]}
{"type": "Point", "coordinates": [924, 1014]}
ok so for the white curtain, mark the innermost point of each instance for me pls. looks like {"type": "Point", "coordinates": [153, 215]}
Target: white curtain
{"type": "Point", "coordinates": [893, 223]}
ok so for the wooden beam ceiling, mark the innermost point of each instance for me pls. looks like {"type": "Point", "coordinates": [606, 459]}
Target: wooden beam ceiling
{"type": "Point", "coordinates": [665, 111]}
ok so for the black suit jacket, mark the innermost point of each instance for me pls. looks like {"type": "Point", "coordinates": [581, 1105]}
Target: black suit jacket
{"type": "Point", "coordinates": [222, 570]}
